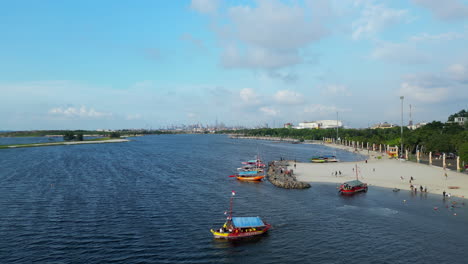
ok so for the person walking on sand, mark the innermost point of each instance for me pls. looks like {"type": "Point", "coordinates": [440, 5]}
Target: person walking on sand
{"type": "Point", "coordinates": [425, 189]}
{"type": "Point", "coordinates": [443, 193]}
{"type": "Point", "coordinates": [446, 176]}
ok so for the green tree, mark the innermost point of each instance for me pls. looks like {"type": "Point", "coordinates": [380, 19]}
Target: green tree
{"type": "Point", "coordinates": [115, 135]}
{"type": "Point", "coordinates": [463, 152]}
{"type": "Point", "coordinates": [79, 137]}
{"type": "Point", "coordinates": [68, 135]}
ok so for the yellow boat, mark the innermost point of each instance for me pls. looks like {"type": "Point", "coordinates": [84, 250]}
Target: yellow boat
{"type": "Point", "coordinates": [240, 227]}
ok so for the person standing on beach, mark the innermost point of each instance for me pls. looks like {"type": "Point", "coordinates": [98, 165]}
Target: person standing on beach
{"type": "Point", "coordinates": [443, 193]}
{"type": "Point", "coordinates": [446, 176]}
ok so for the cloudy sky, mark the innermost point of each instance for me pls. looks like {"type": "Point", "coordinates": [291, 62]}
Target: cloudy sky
{"type": "Point", "coordinates": [149, 64]}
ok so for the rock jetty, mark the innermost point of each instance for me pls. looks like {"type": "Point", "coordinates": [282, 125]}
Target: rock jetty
{"type": "Point", "coordinates": [279, 175]}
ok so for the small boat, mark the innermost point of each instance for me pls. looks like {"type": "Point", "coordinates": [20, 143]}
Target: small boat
{"type": "Point", "coordinates": [323, 159]}
{"type": "Point", "coordinates": [240, 227]}
{"type": "Point", "coordinates": [318, 160]}
{"type": "Point", "coordinates": [250, 177]}
{"type": "Point", "coordinates": [255, 162]}
{"type": "Point", "coordinates": [248, 173]}
{"type": "Point", "coordinates": [354, 186]}
{"type": "Point", "coordinates": [249, 168]}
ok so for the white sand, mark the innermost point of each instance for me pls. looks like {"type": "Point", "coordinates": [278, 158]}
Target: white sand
{"type": "Point", "coordinates": [387, 174]}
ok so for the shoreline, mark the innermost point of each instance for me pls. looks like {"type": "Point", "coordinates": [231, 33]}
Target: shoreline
{"type": "Point", "coordinates": [32, 145]}
{"type": "Point", "coordinates": [387, 173]}
{"type": "Point", "coordinates": [383, 172]}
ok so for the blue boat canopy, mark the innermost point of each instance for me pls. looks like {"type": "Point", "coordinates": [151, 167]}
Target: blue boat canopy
{"type": "Point", "coordinates": [248, 172]}
{"type": "Point", "coordinates": [253, 161]}
{"type": "Point", "coordinates": [247, 222]}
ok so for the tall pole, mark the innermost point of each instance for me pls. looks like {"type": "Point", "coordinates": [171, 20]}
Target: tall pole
{"type": "Point", "coordinates": [401, 140]}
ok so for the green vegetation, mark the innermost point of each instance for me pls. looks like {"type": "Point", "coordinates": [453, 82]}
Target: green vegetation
{"type": "Point", "coordinates": [435, 136]}
{"type": "Point", "coordinates": [69, 135]}
{"type": "Point", "coordinates": [115, 135]}
{"type": "Point", "coordinates": [42, 133]}
{"type": "Point", "coordinates": [48, 144]}
{"type": "Point", "coordinates": [462, 113]}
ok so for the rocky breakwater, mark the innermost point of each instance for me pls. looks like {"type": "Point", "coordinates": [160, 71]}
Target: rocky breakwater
{"type": "Point", "coordinates": [280, 176]}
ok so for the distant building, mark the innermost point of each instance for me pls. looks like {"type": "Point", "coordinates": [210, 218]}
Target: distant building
{"type": "Point", "coordinates": [288, 125]}
{"type": "Point", "coordinates": [416, 126]}
{"type": "Point", "coordinates": [461, 120]}
{"type": "Point", "coordinates": [320, 124]}
{"type": "Point", "coordinates": [382, 125]}
{"type": "Point", "coordinates": [329, 123]}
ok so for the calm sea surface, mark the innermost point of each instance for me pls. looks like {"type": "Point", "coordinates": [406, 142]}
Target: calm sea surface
{"type": "Point", "coordinates": [154, 200]}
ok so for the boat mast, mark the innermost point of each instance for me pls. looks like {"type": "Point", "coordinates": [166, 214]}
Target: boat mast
{"type": "Point", "coordinates": [230, 205]}
{"type": "Point", "coordinates": [357, 178]}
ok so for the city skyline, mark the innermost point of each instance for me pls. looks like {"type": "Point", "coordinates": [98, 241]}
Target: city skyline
{"type": "Point", "coordinates": [117, 65]}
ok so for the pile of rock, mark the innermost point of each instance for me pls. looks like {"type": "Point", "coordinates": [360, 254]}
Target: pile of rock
{"type": "Point", "coordinates": [279, 175]}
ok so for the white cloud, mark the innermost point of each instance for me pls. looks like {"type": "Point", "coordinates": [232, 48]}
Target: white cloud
{"type": "Point", "coordinates": [439, 37]}
{"type": "Point", "coordinates": [458, 72]}
{"type": "Point", "coordinates": [323, 109]}
{"type": "Point", "coordinates": [205, 6]}
{"type": "Point", "coordinates": [133, 117]}
{"type": "Point", "coordinates": [374, 18]}
{"type": "Point", "coordinates": [257, 57]}
{"type": "Point", "coordinates": [445, 9]}
{"type": "Point", "coordinates": [248, 96]}
{"type": "Point", "coordinates": [75, 112]}
{"type": "Point", "coordinates": [193, 41]}
{"type": "Point", "coordinates": [269, 111]}
{"type": "Point", "coordinates": [288, 97]}
{"type": "Point", "coordinates": [269, 35]}
{"type": "Point", "coordinates": [424, 94]}
{"type": "Point", "coordinates": [335, 90]}
{"type": "Point", "coordinates": [404, 53]}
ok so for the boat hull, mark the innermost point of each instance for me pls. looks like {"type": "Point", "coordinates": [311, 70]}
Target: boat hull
{"type": "Point", "coordinates": [250, 178]}
{"type": "Point", "coordinates": [353, 191]}
{"type": "Point", "coordinates": [239, 235]}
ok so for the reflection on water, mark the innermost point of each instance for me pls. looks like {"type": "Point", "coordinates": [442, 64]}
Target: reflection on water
{"type": "Point", "coordinates": [155, 199]}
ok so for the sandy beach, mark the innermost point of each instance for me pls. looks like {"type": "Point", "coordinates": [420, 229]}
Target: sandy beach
{"type": "Point", "coordinates": [386, 173]}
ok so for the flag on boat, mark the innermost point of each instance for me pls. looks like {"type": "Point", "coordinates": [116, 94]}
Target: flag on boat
{"type": "Point", "coordinates": [233, 193]}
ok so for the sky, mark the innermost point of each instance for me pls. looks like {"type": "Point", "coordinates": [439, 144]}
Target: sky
{"type": "Point", "coordinates": [151, 64]}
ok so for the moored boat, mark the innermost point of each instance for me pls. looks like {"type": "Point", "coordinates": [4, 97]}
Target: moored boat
{"type": "Point", "coordinates": [250, 177]}
{"type": "Point", "coordinates": [323, 159]}
{"type": "Point", "coordinates": [354, 186]}
{"type": "Point", "coordinates": [240, 227]}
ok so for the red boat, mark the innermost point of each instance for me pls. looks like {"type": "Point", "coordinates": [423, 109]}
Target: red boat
{"type": "Point", "coordinates": [352, 187]}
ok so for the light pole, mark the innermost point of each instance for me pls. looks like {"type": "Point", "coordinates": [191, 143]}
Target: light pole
{"type": "Point", "coordinates": [401, 140]}
{"type": "Point", "coordinates": [337, 126]}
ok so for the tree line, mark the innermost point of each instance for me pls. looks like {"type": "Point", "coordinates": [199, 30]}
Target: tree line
{"type": "Point", "coordinates": [433, 137]}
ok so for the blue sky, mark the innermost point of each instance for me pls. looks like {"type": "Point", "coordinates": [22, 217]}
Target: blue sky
{"type": "Point", "coordinates": [150, 64]}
